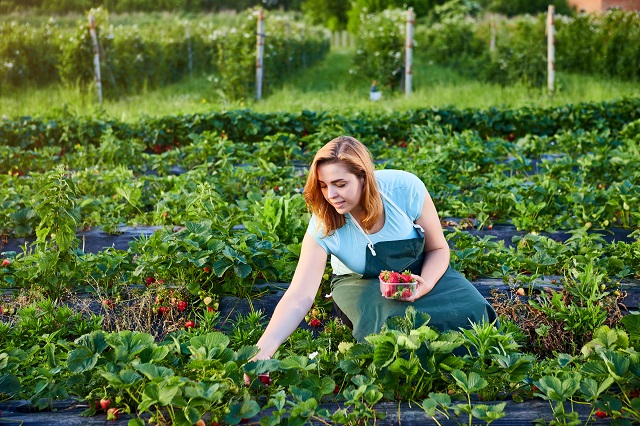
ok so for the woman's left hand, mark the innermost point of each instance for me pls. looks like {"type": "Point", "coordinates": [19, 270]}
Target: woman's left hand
{"type": "Point", "coordinates": [421, 289]}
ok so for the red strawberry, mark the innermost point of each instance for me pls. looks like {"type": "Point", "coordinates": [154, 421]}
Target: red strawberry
{"type": "Point", "coordinates": [189, 324]}
{"type": "Point", "coordinates": [388, 291]}
{"type": "Point", "coordinates": [315, 322]}
{"type": "Point", "coordinates": [601, 414]}
{"type": "Point", "coordinates": [150, 280]}
{"type": "Point", "coordinates": [206, 269]}
{"type": "Point", "coordinates": [6, 262]}
{"type": "Point", "coordinates": [182, 305]}
{"type": "Point", "coordinates": [107, 303]}
{"type": "Point", "coordinates": [265, 379]}
{"type": "Point", "coordinates": [201, 423]}
{"type": "Point", "coordinates": [336, 389]}
{"type": "Point", "coordinates": [406, 293]}
{"type": "Point", "coordinates": [163, 310]}
{"type": "Point", "coordinates": [211, 309]}
{"type": "Point", "coordinates": [394, 277]}
{"type": "Point", "coordinates": [406, 277]}
{"type": "Point", "coordinates": [104, 403]}
{"type": "Point", "coordinates": [112, 414]}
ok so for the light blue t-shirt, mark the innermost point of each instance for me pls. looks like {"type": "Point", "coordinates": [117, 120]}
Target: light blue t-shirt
{"type": "Point", "coordinates": [347, 245]}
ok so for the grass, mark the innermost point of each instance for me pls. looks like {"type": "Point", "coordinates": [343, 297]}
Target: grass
{"type": "Point", "coordinates": [327, 86]}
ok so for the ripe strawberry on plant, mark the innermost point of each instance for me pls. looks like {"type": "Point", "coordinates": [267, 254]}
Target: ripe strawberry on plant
{"type": "Point", "coordinates": [189, 324]}
{"type": "Point", "coordinates": [265, 379]}
{"type": "Point", "coordinates": [150, 280]}
{"type": "Point", "coordinates": [6, 262]}
{"type": "Point", "coordinates": [104, 403]}
{"type": "Point", "coordinates": [315, 322]}
{"type": "Point", "coordinates": [182, 305]}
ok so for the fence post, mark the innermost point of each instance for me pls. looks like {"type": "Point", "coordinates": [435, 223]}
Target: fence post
{"type": "Point", "coordinates": [190, 55]}
{"type": "Point", "coordinates": [408, 72]}
{"type": "Point", "coordinates": [551, 51]}
{"type": "Point", "coordinates": [260, 54]}
{"type": "Point", "coordinates": [96, 55]}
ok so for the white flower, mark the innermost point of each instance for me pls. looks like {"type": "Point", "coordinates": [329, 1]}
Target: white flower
{"type": "Point", "coordinates": [312, 355]}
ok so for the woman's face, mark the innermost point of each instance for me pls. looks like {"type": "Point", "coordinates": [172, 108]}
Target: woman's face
{"type": "Point", "coordinates": [341, 188]}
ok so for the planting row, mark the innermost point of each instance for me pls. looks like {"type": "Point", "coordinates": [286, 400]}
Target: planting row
{"type": "Point", "coordinates": [566, 181]}
{"type": "Point", "coordinates": [197, 374]}
{"type": "Point", "coordinates": [515, 50]}
{"type": "Point", "coordinates": [67, 131]}
{"type": "Point", "coordinates": [139, 57]}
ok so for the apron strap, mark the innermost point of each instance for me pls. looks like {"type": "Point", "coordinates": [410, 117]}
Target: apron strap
{"type": "Point", "coordinates": [370, 243]}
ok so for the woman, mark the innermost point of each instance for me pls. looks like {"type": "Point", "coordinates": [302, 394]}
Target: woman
{"type": "Point", "coordinates": [368, 222]}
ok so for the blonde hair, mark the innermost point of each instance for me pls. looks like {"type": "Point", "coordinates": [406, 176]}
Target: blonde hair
{"type": "Point", "coordinates": [352, 154]}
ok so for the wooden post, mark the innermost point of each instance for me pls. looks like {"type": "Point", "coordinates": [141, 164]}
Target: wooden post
{"type": "Point", "coordinates": [408, 57]}
{"type": "Point", "coordinates": [96, 56]}
{"type": "Point", "coordinates": [551, 51]}
{"type": "Point", "coordinates": [260, 54]}
{"type": "Point", "coordinates": [189, 53]}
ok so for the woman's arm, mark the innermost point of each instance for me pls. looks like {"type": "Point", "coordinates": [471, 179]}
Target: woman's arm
{"type": "Point", "coordinates": [437, 254]}
{"type": "Point", "coordinates": [297, 300]}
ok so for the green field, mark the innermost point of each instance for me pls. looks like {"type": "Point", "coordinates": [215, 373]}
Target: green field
{"type": "Point", "coordinates": [328, 86]}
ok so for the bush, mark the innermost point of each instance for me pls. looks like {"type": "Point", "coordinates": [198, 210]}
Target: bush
{"type": "Point", "coordinates": [380, 43]}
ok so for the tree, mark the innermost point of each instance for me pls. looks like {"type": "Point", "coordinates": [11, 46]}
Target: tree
{"type": "Point", "coordinates": [521, 7]}
{"type": "Point", "coordinates": [329, 13]}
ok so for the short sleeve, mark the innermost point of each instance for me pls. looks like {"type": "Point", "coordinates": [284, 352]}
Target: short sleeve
{"type": "Point", "coordinates": [314, 229]}
{"type": "Point", "coordinates": [416, 192]}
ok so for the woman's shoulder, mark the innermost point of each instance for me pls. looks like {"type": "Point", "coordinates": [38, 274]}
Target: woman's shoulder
{"type": "Point", "coordinates": [391, 178]}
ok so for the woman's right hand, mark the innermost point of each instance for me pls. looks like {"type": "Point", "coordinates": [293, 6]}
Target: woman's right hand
{"type": "Point", "coordinates": [257, 357]}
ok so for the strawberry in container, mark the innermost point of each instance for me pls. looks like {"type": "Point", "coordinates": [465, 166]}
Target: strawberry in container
{"type": "Point", "coordinates": [397, 285]}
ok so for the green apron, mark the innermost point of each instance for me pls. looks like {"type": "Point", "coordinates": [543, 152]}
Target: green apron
{"type": "Point", "coordinates": [452, 303]}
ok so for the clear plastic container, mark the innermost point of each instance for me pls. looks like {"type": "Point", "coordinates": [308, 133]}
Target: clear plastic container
{"type": "Point", "coordinates": [397, 291]}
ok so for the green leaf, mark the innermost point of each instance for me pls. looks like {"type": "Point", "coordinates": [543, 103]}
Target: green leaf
{"type": "Point", "coordinates": [384, 354]}
{"type": "Point", "coordinates": [192, 414]}
{"type": "Point", "coordinates": [471, 383]}
{"type": "Point", "coordinates": [154, 372]}
{"type": "Point", "coordinates": [405, 367]}
{"type": "Point", "coordinates": [82, 359]}
{"type": "Point", "coordinates": [160, 394]}
{"type": "Point", "coordinates": [429, 406]}
{"type": "Point", "coordinates": [631, 323]}
{"type": "Point", "coordinates": [242, 269]}
{"type": "Point", "coordinates": [9, 384]}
